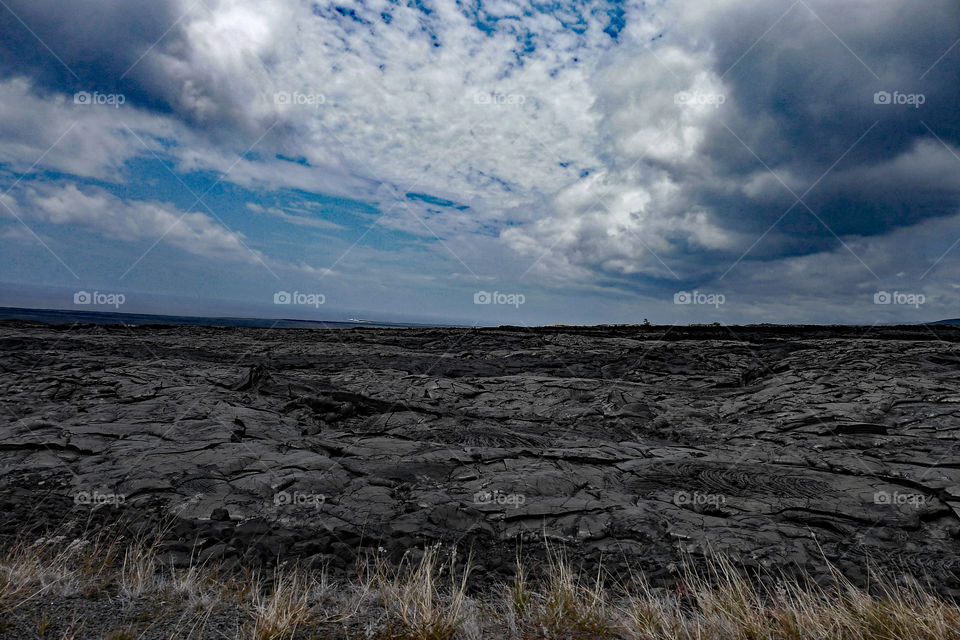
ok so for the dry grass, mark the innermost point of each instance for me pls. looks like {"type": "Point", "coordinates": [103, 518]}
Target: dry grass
{"type": "Point", "coordinates": [280, 609]}
{"type": "Point", "coordinates": [722, 603]}
{"type": "Point", "coordinates": [562, 605]}
{"type": "Point", "coordinates": [425, 597]}
{"type": "Point", "coordinates": [56, 564]}
{"type": "Point", "coordinates": [422, 601]}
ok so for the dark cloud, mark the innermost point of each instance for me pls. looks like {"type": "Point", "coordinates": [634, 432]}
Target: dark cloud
{"type": "Point", "coordinates": [800, 98]}
{"type": "Point", "coordinates": [141, 49]}
{"type": "Point", "coordinates": [78, 45]}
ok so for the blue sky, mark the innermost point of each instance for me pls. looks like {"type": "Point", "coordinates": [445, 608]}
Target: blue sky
{"type": "Point", "coordinates": [484, 162]}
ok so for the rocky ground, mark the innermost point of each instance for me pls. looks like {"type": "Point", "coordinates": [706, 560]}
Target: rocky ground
{"type": "Point", "coordinates": [635, 446]}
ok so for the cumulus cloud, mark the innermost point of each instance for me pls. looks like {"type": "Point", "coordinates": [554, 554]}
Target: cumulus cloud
{"type": "Point", "coordinates": [51, 131]}
{"type": "Point", "coordinates": [95, 210]}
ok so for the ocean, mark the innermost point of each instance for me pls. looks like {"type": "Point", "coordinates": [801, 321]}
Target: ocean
{"type": "Point", "coordinates": [59, 316]}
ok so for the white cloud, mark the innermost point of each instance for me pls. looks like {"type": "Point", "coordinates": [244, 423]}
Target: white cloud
{"type": "Point", "coordinates": [466, 122]}
{"type": "Point", "coordinates": [84, 140]}
{"type": "Point", "coordinates": [302, 221]}
{"type": "Point", "coordinates": [130, 220]}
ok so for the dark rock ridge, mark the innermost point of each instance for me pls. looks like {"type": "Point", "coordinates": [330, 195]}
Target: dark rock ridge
{"type": "Point", "coordinates": [780, 446]}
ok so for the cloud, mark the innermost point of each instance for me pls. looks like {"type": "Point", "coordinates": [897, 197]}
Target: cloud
{"type": "Point", "coordinates": [833, 286]}
{"type": "Point", "coordinates": [52, 132]}
{"type": "Point", "coordinates": [645, 145]}
{"type": "Point", "coordinates": [97, 211]}
{"type": "Point", "coordinates": [302, 221]}
{"type": "Point", "coordinates": [66, 44]}
{"type": "Point", "coordinates": [696, 184]}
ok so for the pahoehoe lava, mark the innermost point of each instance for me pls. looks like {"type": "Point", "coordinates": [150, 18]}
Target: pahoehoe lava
{"type": "Point", "coordinates": [782, 447]}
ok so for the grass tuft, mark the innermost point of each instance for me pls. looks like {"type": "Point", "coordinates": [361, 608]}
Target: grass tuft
{"type": "Point", "coordinates": [422, 601]}
{"type": "Point", "coordinates": [280, 608]}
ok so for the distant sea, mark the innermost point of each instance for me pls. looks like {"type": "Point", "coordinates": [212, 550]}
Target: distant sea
{"type": "Point", "coordinates": [56, 316]}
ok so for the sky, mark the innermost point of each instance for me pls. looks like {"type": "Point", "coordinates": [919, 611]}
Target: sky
{"type": "Point", "coordinates": [504, 162]}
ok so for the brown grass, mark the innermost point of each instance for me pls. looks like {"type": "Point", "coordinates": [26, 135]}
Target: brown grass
{"type": "Point", "coordinates": [279, 610]}
{"type": "Point", "coordinates": [418, 602]}
{"type": "Point", "coordinates": [425, 597]}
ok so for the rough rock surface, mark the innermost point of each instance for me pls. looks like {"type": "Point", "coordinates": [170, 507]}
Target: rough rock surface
{"type": "Point", "coordinates": [779, 446]}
